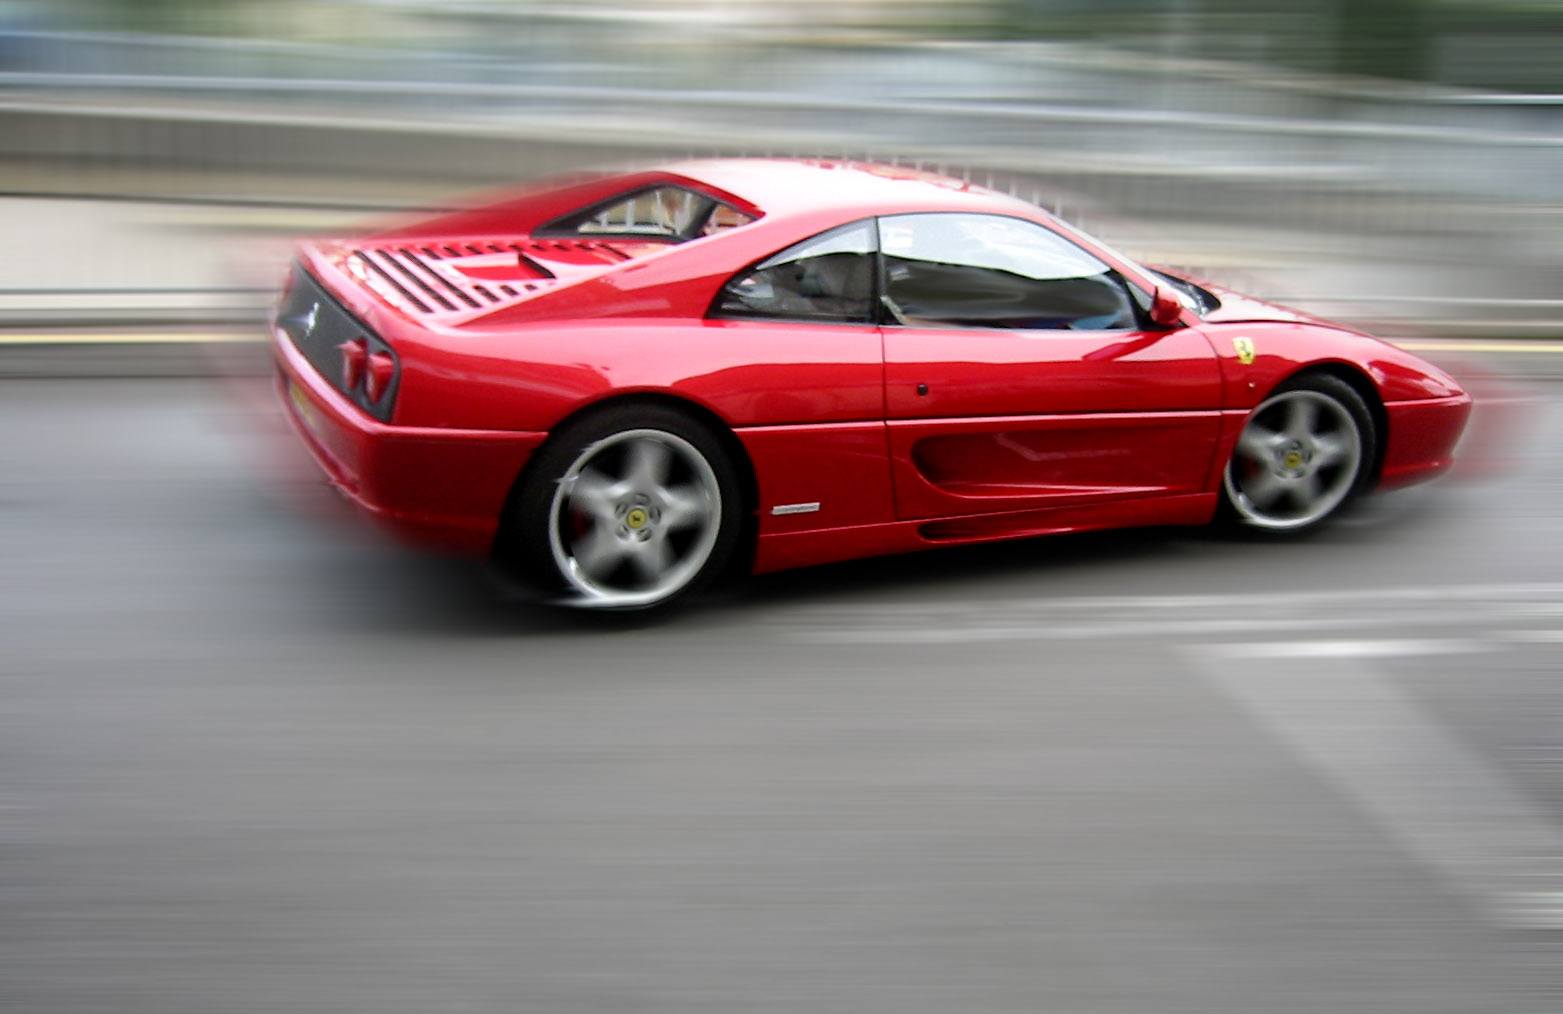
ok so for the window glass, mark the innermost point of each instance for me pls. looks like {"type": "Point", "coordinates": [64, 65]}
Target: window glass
{"type": "Point", "coordinates": [958, 270]}
{"type": "Point", "coordinates": [829, 277]}
{"type": "Point", "coordinates": [669, 211]}
{"type": "Point", "coordinates": [722, 218]}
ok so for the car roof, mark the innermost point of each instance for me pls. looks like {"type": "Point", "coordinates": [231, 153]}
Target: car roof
{"type": "Point", "coordinates": [784, 187]}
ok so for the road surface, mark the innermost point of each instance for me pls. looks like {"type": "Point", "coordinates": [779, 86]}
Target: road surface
{"type": "Point", "coordinates": [256, 760]}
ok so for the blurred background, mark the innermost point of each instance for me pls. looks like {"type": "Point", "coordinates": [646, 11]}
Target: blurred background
{"type": "Point", "coordinates": [256, 760]}
{"type": "Point", "coordinates": [1394, 162]}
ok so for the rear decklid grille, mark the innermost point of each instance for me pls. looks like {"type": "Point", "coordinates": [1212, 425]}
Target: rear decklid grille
{"type": "Point", "coordinates": [462, 278]}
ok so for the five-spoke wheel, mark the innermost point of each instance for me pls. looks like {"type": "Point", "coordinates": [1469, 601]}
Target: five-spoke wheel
{"type": "Point", "coordinates": [1304, 453]}
{"type": "Point", "coordinates": [630, 508]}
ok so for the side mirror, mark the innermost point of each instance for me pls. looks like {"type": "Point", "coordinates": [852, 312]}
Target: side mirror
{"type": "Point", "coordinates": [1166, 308]}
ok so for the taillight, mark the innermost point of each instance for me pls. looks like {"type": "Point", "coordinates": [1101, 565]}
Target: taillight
{"type": "Point", "coordinates": [354, 354]}
{"type": "Point", "coordinates": [377, 380]}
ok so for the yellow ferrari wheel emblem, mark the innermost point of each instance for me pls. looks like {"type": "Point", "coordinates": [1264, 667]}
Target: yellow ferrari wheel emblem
{"type": "Point", "coordinates": [1293, 459]}
{"type": "Point", "coordinates": [636, 518]}
{"type": "Point", "coordinates": [1244, 347]}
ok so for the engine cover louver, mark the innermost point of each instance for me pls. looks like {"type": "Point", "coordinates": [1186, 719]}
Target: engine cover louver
{"type": "Point", "coordinates": [463, 277]}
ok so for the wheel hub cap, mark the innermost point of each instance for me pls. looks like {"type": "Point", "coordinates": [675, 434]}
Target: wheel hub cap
{"type": "Point", "coordinates": [1296, 460]}
{"type": "Point", "coordinates": [634, 518]}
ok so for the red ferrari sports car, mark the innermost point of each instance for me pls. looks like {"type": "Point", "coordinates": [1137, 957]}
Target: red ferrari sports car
{"type": "Point", "coordinates": [628, 385]}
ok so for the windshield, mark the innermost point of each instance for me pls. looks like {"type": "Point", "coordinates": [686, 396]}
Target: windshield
{"type": "Point", "coordinates": [1202, 301]}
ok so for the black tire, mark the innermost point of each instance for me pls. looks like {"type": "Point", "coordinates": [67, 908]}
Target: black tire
{"type": "Point", "coordinates": [634, 507]}
{"type": "Point", "coordinates": [1304, 455]}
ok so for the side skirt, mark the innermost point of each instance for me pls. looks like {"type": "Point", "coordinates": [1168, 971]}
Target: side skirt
{"type": "Point", "coordinates": [786, 550]}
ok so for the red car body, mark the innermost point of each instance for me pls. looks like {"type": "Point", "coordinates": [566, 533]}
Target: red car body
{"type": "Point", "coordinates": [479, 333]}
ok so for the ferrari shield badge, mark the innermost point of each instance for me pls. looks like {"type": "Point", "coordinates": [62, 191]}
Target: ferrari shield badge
{"type": "Point", "coordinates": [1245, 350]}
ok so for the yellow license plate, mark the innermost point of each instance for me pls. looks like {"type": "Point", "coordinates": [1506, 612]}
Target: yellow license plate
{"type": "Point", "coordinates": [305, 407]}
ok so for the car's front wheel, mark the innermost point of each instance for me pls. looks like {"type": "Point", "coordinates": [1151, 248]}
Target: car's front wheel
{"type": "Point", "coordinates": [1304, 454]}
{"type": "Point", "coordinates": [631, 508]}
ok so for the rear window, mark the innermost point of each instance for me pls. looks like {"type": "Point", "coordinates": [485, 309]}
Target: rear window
{"type": "Point", "coordinates": [662, 212]}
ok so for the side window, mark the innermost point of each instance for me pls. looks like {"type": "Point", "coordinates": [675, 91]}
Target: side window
{"type": "Point", "coordinates": [827, 278]}
{"type": "Point", "coordinates": [961, 270]}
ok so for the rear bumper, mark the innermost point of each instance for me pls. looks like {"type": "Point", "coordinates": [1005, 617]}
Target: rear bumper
{"type": "Point", "coordinates": [442, 489]}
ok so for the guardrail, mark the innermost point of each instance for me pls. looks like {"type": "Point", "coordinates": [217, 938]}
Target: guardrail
{"type": "Point", "coordinates": [1137, 112]}
{"type": "Point", "coordinates": [1498, 162]}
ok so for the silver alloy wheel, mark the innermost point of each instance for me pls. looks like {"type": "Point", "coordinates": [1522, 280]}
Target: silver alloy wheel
{"type": "Point", "coordinates": [634, 518]}
{"type": "Point", "coordinates": [1297, 459]}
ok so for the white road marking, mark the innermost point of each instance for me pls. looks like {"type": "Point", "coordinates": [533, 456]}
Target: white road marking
{"type": "Point", "coordinates": [1244, 600]}
{"type": "Point", "coordinates": [1006, 628]}
{"type": "Point", "coordinates": [1261, 616]}
{"type": "Point", "coordinates": [1428, 790]}
{"type": "Point", "coordinates": [1413, 778]}
{"type": "Point", "coordinates": [1352, 649]}
{"type": "Point", "coordinates": [1534, 636]}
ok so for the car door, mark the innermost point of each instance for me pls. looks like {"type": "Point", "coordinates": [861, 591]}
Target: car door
{"type": "Point", "coordinates": [808, 402]}
{"type": "Point", "coordinates": [1022, 373]}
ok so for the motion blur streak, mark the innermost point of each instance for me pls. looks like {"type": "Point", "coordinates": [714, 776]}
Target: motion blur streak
{"type": "Point", "coordinates": [256, 762]}
{"type": "Point", "coordinates": [1417, 193]}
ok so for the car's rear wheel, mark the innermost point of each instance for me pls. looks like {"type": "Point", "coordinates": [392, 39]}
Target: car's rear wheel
{"type": "Point", "coordinates": [631, 508]}
{"type": "Point", "coordinates": [1304, 454]}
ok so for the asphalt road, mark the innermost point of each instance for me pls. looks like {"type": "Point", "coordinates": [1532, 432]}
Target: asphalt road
{"type": "Point", "coordinates": [255, 760]}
